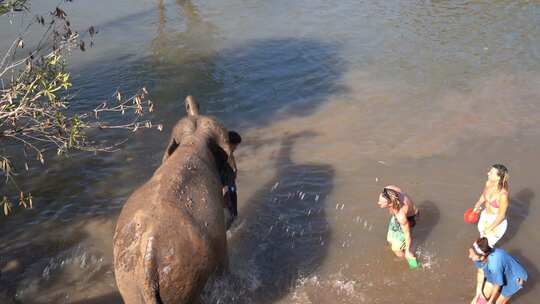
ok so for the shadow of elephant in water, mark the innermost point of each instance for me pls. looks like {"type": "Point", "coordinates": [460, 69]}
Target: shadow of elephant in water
{"type": "Point", "coordinates": [282, 234]}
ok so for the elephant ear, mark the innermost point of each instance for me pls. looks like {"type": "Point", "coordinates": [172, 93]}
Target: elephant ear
{"type": "Point", "coordinates": [219, 154]}
{"type": "Point", "coordinates": [217, 140]}
{"type": "Point", "coordinates": [183, 129]}
{"type": "Point", "coordinates": [170, 149]}
{"type": "Point", "coordinates": [186, 126]}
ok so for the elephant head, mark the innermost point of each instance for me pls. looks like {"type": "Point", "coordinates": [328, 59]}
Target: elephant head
{"type": "Point", "coordinates": [195, 128]}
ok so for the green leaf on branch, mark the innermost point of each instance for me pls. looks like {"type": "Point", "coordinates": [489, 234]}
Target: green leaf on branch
{"type": "Point", "coordinates": [6, 205]}
{"type": "Point", "coordinates": [35, 112]}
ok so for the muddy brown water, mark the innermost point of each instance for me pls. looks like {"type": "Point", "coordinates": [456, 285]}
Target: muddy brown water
{"type": "Point", "coordinates": [334, 101]}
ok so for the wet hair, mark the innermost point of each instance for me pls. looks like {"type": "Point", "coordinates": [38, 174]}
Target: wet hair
{"type": "Point", "coordinates": [234, 138]}
{"type": "Point", "coordinates": [393, 197]}
{"type": "Point", "coordinates": [482, 244]}
{"type": "Point", "coordinates": [502, 173]}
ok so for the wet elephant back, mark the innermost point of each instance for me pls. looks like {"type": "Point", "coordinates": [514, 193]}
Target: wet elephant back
{"type": "Point", "coordinates": [163, 250]}
{"type": "Point", "coordinates": [170, 235]}
{"type": "Point", "coordinates": [196, 190]}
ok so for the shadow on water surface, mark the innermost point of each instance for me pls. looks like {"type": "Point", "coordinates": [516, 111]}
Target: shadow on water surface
{"type": "Point", "coordinates": [518, 210]}
{"type": "Point", "coordinates": [253, 82]}
{"type": "Point", "coordinates": [427, 220]}
{"type": "Point", "coordinates": [532, 273]}
{"type": "Point", "coordinates": [282, 235]}
{"type": "Point", "coordinates": [111, 298]}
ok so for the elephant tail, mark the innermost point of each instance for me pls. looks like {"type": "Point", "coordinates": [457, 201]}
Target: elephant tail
{"type": "Point", "coordinates": [150, 290]}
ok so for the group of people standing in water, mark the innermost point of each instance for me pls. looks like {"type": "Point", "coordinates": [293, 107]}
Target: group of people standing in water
{"type": "Point", "coordinates": [499, 274]}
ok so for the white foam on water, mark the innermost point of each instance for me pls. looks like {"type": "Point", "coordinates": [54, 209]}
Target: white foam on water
{"type": "Point", "coordinates": [428, 260]}
{"type": "Point", "coordinates": [334, 289]}
{"type": "Point", "coordinates": [77, 264]}
{"type": "Point", "coordinates": [238, 286]}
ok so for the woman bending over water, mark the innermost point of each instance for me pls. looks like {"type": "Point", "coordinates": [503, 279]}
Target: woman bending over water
{"type": "Point", "coordinates": [493, 223]}
{"type": "Point", "coordinates": [499, 274]}
{"type": "Point", "coordinates": [403, 219]}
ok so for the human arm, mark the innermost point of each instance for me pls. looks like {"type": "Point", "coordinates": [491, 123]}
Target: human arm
{"type": "Point", "coordinates": [228, 175]}
{"type": "Point", "coordinates": [481, 200]}
{"type": "Point", "coordinates": [496, 278]}
{"type": "Point", "coordinates": [479, 284]}
{"type": "Point", "coordinates": [495, 292]}
{"type": "Point", "coordinates": [405, 227]}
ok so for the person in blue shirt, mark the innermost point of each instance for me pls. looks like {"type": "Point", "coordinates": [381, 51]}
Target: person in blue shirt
{"type": "Point", "coordinates": [499, 274]}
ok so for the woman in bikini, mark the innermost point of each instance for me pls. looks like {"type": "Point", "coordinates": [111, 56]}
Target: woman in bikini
{"type": "Point", "coordinates": [493, 223]}
{"type": "Point", "coordinates": [403, 219]}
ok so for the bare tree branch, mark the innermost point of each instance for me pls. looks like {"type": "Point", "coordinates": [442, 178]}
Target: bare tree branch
{"type": "Point", "coordinates": [35, 112]}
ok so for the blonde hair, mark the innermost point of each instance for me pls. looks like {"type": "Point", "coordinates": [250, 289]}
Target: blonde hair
{"type": "Point", "coordinates": [502, 173]}
{"type": "Point", "coordinates": [393, 197]}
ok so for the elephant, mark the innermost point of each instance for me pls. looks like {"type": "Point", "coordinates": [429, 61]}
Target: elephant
{"type": "Point", "coordinates": [170, 235]}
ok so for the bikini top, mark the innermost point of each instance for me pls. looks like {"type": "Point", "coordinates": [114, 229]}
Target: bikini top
{"type": "Point", "coordinates": [494, 203]}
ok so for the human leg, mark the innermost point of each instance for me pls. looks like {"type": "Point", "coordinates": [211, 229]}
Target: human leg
{"type": "Point", "coordinates": [398, 247]}
{"type": "Point", "coordinates": [483, 222]}
{"type": "Point", "coordinates": [497, 233]}
{"type": "Point", "coordinates": [487, 290]}
{"type": "Point", "coordinates": [399, 253]}
{"type": "Point", "coordinates": [396, 238]}
{"type": "Point", "coordinates": [233, 207]}
{"type": "Point", "coordinates": [227, 210]}
{"type": "Point", "coordinates": [502, 300]}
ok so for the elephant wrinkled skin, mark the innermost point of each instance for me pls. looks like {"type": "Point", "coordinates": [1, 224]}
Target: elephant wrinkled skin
{"type": "Point", "coordinates": [170, 236]}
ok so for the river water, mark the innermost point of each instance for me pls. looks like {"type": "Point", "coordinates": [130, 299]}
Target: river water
{"type": "Point", "coordinates": [334, 101]}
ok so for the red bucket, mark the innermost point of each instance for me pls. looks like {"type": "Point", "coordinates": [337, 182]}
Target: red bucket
{"type": "Point", "coordinates": [470, 216]}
